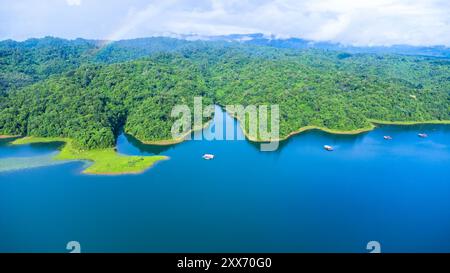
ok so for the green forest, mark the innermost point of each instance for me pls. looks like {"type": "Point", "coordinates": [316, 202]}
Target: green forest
{"type": "Point", "coordinates": [90, 91]}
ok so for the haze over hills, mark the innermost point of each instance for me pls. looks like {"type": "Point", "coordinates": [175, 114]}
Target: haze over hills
{"type": "Point", "coordinates": [174, 41]}
{"type": "Point", "coordinates": [298, 43]}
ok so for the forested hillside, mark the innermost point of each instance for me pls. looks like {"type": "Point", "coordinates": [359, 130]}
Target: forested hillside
{"type": "Point", "coordinates": [24, 63]}
{"type": "Point", "coordinates": [28, 62]}
{"type": "Point", "coordinates": [92, 103]}
{"type": "Point", "coordinates": [89, 91]}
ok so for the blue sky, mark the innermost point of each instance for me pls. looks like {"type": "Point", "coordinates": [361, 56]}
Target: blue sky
{"type": "Point", "coordinates": [357, 22]}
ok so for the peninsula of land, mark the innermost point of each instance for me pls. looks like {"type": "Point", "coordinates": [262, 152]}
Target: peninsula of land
{"type": "Point", "coordinates": [104, 161]}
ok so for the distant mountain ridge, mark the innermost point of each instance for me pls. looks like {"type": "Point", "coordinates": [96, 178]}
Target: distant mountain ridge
{"type": "Point", "coordinates": [298, 43]}
{"type": "Point", "coordinates": [176, 41]}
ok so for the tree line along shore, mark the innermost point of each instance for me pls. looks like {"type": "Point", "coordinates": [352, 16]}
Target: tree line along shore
{"type": "Point", "coordinates": [87, 94]}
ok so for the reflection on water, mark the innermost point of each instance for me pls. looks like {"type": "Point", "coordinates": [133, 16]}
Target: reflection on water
{"type": "Point", "coordinates": [24, 163]}
{"type": "Point", "coordinates": [30, 150]}
{"type": "Point", "coordinates": [128, 144]}
{"type": "Point", "coordinates": [23, 157]}
{"type": "Point", "coordinates": [300, 198]}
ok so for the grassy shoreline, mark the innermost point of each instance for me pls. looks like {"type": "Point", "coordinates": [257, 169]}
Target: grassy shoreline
{"type": "Point", "coordinates": [168, 142]}
{"type": "Point", "coordinates": [104, 161]}
{"type": "Point", "coordinates": [364, 130]}
{"type": "Point", "coordinates": [303, 129]}
{"type": "Point", "coordinates": [373, 125]}
{"type": "Point", "coordinates": [381, 122]}
{"type": "Point", "coordinates": [330, 131]}
{"type": "Point", "coordinates": [109, 162]}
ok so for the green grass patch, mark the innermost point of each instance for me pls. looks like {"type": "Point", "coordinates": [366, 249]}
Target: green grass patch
{"type": "Point", "coordinates": [105, 161]}
{"type": "Point", "coordinates": [409, 122]}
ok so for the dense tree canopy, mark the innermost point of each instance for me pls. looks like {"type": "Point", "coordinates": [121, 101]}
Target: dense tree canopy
{"type": "Point", "coordinates": [89, 92]}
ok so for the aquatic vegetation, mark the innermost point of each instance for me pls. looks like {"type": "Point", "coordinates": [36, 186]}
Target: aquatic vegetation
{"type": "Point", "coordinates": [23, 163]}
{"type": "Point", "coordinates": [104, 161]}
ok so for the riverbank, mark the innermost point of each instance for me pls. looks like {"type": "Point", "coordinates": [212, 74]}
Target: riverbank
{"type": "Point", "coordinates": [330, 131]}
{"type": "Point", "coordinates": [168, 142]}
{"type": "Point", "coordinates": [340, 132]}
{"type": "Point", "coordinates": [381, 122]}
{"type": "Point", "coordinates": [363, 130]}
{"type": "Point", "coordinates": [373, 125]}
{"type": "Point", "coordinates": [104, 161]}
{"type": "Point", "coordinates": [303, 129]}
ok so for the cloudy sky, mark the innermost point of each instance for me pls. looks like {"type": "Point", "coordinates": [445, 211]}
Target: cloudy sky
{"type": "Point", "coordinates": [358, 22]}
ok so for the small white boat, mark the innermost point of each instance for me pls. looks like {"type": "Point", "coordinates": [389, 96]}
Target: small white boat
{"type": "Point", "coordinates": [208, 156]}
{"type": "Point", "coordinates": [423, 135]}
{"type": "Point", "coordinates": [388, 137]}
{"type": "Point", "coordinates": [328, 148]}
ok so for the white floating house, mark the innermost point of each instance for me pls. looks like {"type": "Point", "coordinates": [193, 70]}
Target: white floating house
{"type": "Point", "coordinates": [208, 156]}
{"type": "Point", "coordinates": [328, 148]}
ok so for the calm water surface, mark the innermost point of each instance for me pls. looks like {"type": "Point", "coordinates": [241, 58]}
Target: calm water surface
{"type": "Point", "coordinates": [297, 199]}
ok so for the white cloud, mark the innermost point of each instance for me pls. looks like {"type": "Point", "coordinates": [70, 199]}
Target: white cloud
{"type": "Point", "coordinates": [375, 22]}
{"type": "Point", "coordinates": [73, 2]}
{"type": "Point", "coordinates": [381, 22]}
